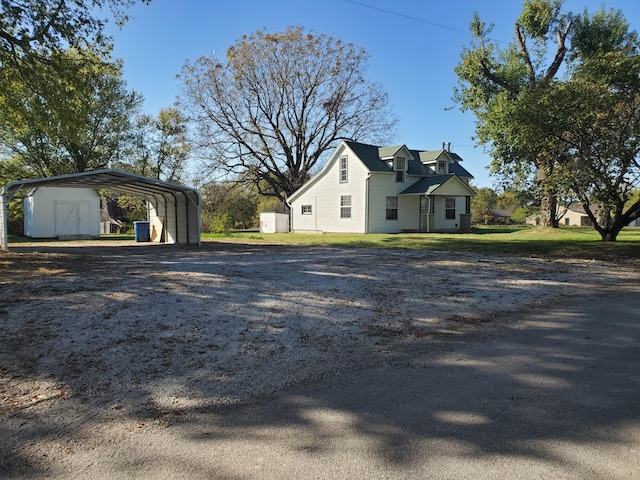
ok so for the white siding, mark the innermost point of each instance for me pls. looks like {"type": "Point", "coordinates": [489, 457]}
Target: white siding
{"type": "Point", "coordinates": [456, 188]}
{"type": "Point", "coordinates": [383, 185]}
{"type": "Point", "coordinates": [441, 222]}
{"type": "Point", "coordinates": [323, 194]}
{"type": "Point", "coordinates": [53, 211]}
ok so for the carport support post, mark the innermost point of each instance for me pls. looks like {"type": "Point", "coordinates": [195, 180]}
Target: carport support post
{"type": "Point", "coordinates": [4, 235]}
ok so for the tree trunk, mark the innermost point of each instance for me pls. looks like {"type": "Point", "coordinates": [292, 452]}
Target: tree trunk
{"type": "Point", "coordinates": [549, 210]}
{"type": "Point", "coordinates": [611, 231]}
{"type": "Point", "coordinates": [549, 200]}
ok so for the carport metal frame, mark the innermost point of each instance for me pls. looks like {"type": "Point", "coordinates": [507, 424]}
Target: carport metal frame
{"type": "Point", "coordinates": [116, 180]}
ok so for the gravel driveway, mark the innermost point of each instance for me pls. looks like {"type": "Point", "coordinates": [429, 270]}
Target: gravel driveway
{"type": "Point", "coordinates": [99, 344]}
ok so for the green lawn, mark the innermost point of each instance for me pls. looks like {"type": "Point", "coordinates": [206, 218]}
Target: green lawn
{"type": "Point", "coordinates": [570, 242]}
{"type": "Point", "coordinates": [522, 241]}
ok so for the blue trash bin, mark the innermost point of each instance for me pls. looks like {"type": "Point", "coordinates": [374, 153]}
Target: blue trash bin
{"type": "Point", "coordinates": [142, 231]}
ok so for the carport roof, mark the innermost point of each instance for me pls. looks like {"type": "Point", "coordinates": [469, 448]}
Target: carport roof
{"type": "Point", "coordinates": [109, 179]}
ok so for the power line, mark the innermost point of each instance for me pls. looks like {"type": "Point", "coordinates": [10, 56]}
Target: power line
{"type": "Point", "coordinates": [389, 12]}
{"type": "Point", "coordinates": [416, 19]}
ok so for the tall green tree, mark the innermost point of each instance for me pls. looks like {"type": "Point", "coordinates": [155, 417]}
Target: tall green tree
{"type": "Point", "coordinates": [600, 121]}
{"type": "Point", "coordinates": [484, 200]}
{"type": "Point", "coordinates": [158, 147]}
{"type": "Point", "coordinates": [35, 33]}
{"type": "Point", "coordinates": [279, 102]}
{"type": "Point", "coordinates": [504, 88]}
{"type": "Point", "coordinates": [228, 205]}
{"type": "Point", "coordinates": [78, 121]}
{"type": "Point", "coordinates": [31, 31]}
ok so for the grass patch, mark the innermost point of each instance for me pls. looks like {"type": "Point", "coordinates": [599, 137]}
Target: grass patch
{"type": "Point", "coordinates": [517, 241]}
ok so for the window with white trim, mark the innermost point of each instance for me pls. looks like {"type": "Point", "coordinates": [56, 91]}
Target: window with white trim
{"type": "Point", "coordinates": [400, 167]}
{"type": "Point", "coordinates": [392, 208]}
{"type": "Point", "coordinates": [450, 208]}
{"type": "Point", "coordinates": [442, 167]}
{"type": "Point", "coordinates": [345, 206]}
{"type": "Point", "coordinates": [306, 209]}
{"type": "Point", "coordinates": [343, 170]}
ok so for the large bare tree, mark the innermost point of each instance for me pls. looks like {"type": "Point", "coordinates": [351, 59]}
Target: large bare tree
{"type": "Point", "coordinates": [279, 102]}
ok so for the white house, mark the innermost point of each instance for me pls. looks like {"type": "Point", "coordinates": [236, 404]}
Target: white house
{"type": "Point", "coordinates": [61, 212]}
{"type": "Point", "coordinates": [572, 215]}
{"type": "Point", "coordinates": [370, 189]}
{"type": "Point", "coordinates": [576, 215]}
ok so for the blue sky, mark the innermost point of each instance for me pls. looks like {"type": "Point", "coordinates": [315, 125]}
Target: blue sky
{"type": "Point", "coordinates": [412, 52]}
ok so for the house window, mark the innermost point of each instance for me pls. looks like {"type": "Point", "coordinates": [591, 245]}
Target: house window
{"type": "Point", "coordinates": [586, 222]}
{"type": "Point", "coordinates": [345, 206]}
{"type": "Point", "coordinates": [442, 167]}
{"type": "Point", "coordinates": [400, 170]}
{"type": "Point", "coordinates": [306, 209]}
{"type": "Point", "coordinates": [343, 170]}
{"type": "Point", "coordinates": [567, 222]}
{"type": "Point", "coordinates": [450, 208]}
{"type": "Point", "coordinates": [392, 208]}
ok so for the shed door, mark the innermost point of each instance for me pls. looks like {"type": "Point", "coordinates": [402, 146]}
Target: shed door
{"type": "Point", "coordinates": [72, 218]}
{"type": "Point", "coordinates": [66, 218]}
{"type": "Point", "coordinates": [84, 220]}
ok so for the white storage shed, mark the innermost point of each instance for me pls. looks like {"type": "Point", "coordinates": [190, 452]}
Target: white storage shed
{"type": "Point", "coordinates": [61, 212]}
{"type": "Point", "coordinates": [271, 222]}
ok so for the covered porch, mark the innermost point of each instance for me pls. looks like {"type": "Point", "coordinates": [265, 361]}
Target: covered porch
{"type": "Point", "coordinates": [445, 204]}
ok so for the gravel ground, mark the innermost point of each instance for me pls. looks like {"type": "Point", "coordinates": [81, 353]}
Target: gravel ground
{"type": "Point", "coordinates": [97, 343]}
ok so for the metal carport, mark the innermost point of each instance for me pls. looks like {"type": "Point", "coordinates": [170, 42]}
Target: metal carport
{"type": "Point", "coordinates": [177, 204]}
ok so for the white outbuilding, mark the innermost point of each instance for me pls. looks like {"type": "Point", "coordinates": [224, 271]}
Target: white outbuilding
{"type": "Point", "coordinates": [173, 210]}
{"type": "Point", "coordinates": [271, 222]}
{"type": "Point", "coordinates": [61, 212]}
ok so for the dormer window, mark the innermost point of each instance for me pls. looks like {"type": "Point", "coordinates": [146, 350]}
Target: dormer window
{"type": "Point", "coordinates": [399, 168]}
{"type": "Point", "coordinates": [442, 166]}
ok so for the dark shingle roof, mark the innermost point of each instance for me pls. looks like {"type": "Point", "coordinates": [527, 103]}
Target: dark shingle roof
{"type": "Point", "coordinates": [426, 184]}
{"type": "Point", "coordinates": [370, 156]}
{"type": "Point", "coordinates": [459, 170]}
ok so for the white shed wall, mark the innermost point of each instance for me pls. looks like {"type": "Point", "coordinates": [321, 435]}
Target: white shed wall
{"type": "Point", "coordinates": [58, 211]}
{"type": "Point", "coordinates": [272, 222]}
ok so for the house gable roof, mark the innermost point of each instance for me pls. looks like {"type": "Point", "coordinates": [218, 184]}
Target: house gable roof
{"type": "Point", "coordinates": [369, 155]}
{"type": "Point", "coordinates": [390, 152]}
{"type": "Point", "coordinates": [429, 185]}
{"type": "Point", "coordinates": [372, 156]}
{"type": "Point", "coordinates": [430, 155]}
{"type": "Point", "coordinates": [459, 170]}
